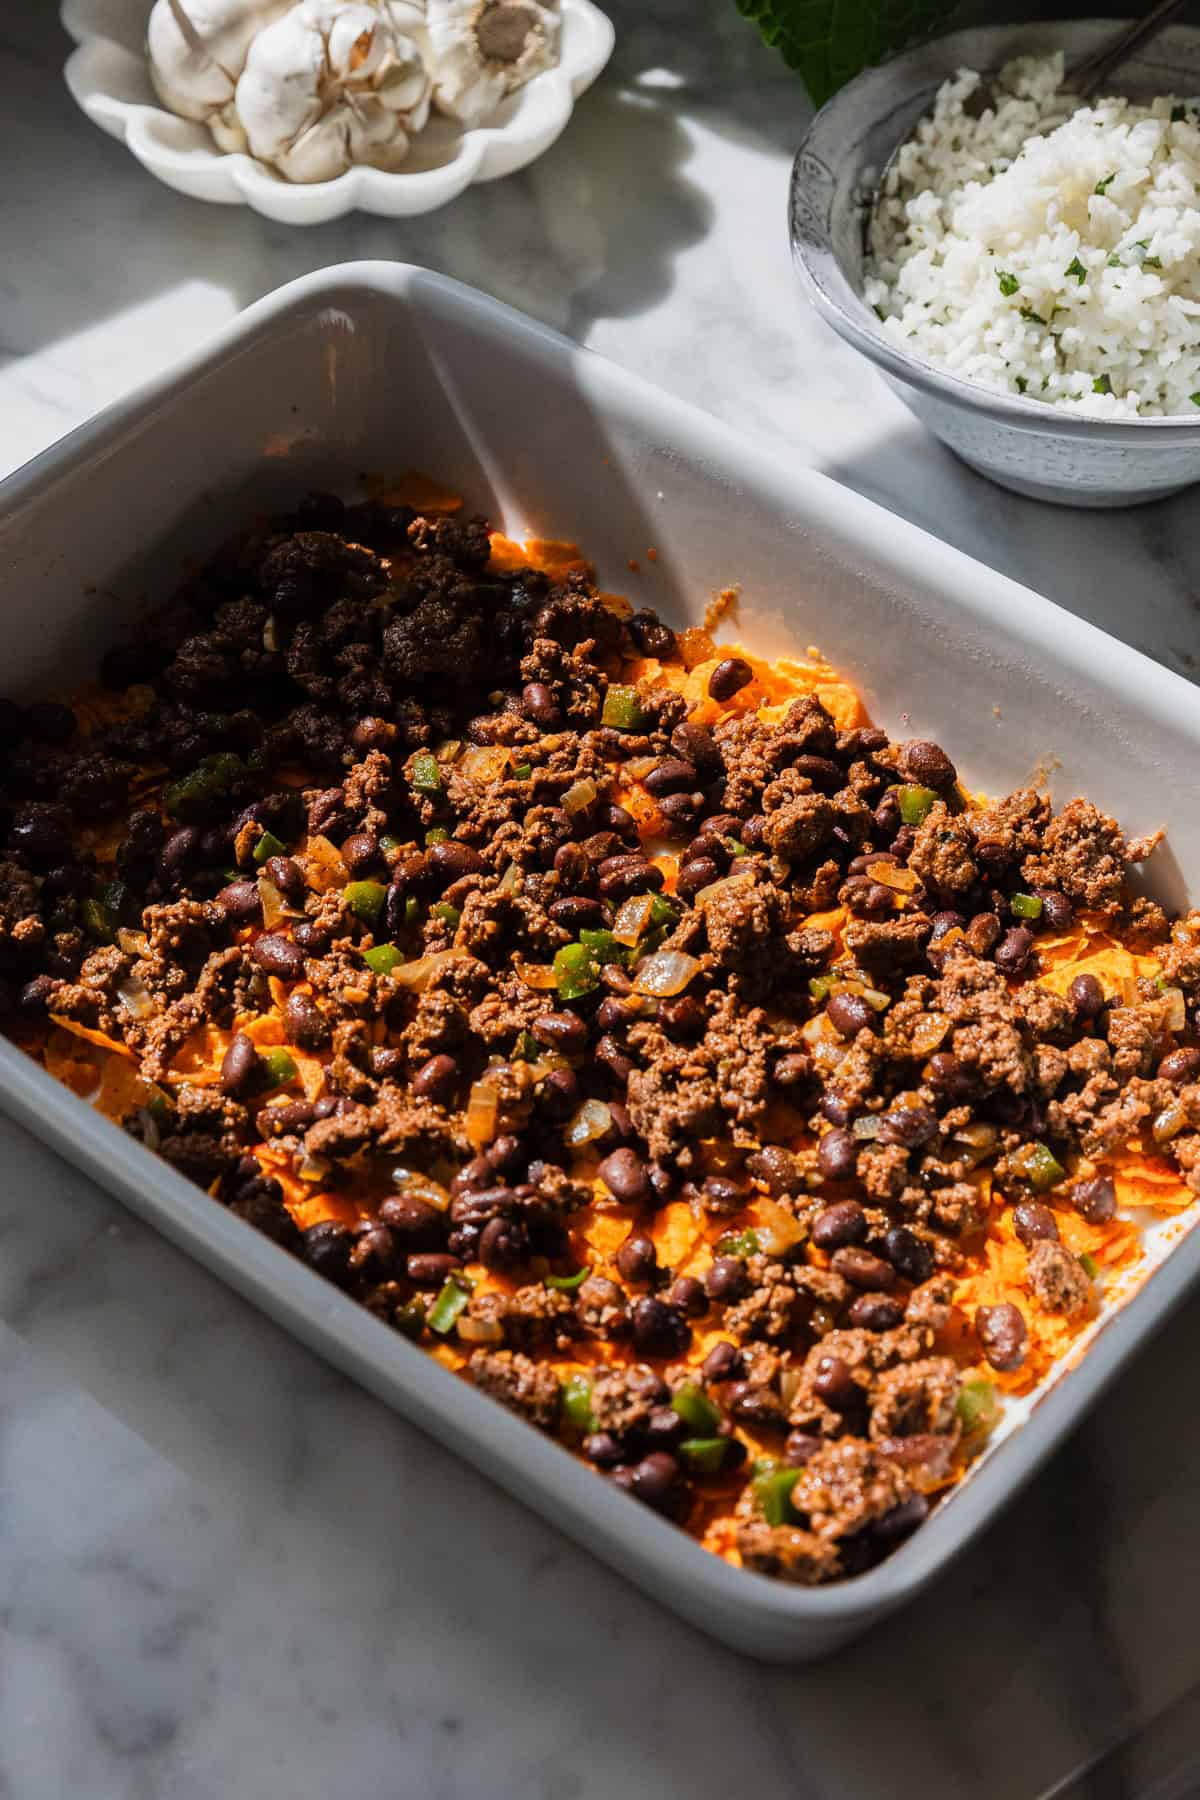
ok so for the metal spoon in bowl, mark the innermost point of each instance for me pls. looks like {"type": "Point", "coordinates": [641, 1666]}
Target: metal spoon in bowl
{"type": "Point", "coordinates": [1086, 79]}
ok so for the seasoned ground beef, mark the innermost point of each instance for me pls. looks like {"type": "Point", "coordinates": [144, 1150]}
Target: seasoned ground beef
{"type": "Point", "coordinates": [709, 1079]}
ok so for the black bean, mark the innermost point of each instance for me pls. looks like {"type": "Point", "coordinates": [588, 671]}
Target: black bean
{"type": "Point", "coordinates": [414, 1224]}
{"type": "Point", "coordinates": [836, 1226]}
{"type": "Point", "coordinates": [694, 744]}
{"type": "Point", "coordinates": [1013, 950]}
{"type": "Point", "coordinates": [570, 864]}
{"type": "Point", "coordinates": [664, 1428]}
{"type": "Point", "coordinates": [615, 1012]}
{"type": "Point", "coordinates": [698, 872]}
{"type": "Point", "coordinates": [659, 1330]}
{"type": "Point", "coordinates": [1086, 996]}
{"type": "Point", "coordinates": [723, 1362]}
{"type": "Point", "coordinates": [561, 1031]}
{"type": "Point", "coordinates": [539, 704]}
{"type": "Point", "coordinates": [558, 1095]}
{"type": "Point", "coordinates": [609, 1052]}
{"type": "Point", "coordinates": [1002, 1332]}
{"type": "Point", "coordinates": [927, 764]}
{"type": "Point", "coordinates": [372, 733]}
{"type": "Point", "coordinates": [875, 1312]}
{"type": "Point", "coordinates": [503, 1243]}
{"type": "Point", "coordinates": [373, 1255]}
{"type": "Point", "coordinates": [825, 775]}
{"type": "Point", "coordinates": [688, 1295]}
{"type": "Point", "coordinates": [886, 818]}
{"type": "Point", "coordinates": [673, 776]}
{"type": "Point", "coordinates": [601, 1447]}
{"type": "Point", "coordinates": [729, 678]}
{"type": "Point", "coordinates": [682, 1019]}
{"type": "Point", "coordinates": [177, 855]}
{"type": "Point", "coordinates": [901, 1520]}
{"type": "Point", "coordinates": [753, 831]}
{"type": "Point", "coordinates": [437, 1079]}
{"type": "Point", "coordinates": [849, 1014]}
{"type": "Point", "coordinates": [984, 931]}
{"type": "Point", "coordinates": [726, 1193]}
{"type": "Point", "coordinates": [619, 820]}
{"type": "Point", "coordinates": [429, 1269]}
{"type": "Point", "coordinates": [637, 1259]}
{"type": "Point", "coordinates": [862, 1270]}
{"type": "Point", "coordinates": [360, 853]}
{"type": "Point", "coordinates": [303, 1023]}
{"type": "Point", "coordinates": [1057, 912]}
{"type": "Point", "coordinates": [777, 1169]}
{"type": "Point", "coordinates": [284, 1121]}
{"type": "Point", "coordinates": [834, 1384]}
{"type": "Point", "coordinates": [835, 1108]}
{"type": "Point", "coordinates": [651, 636]}
{"type": "Point", "coordinates": [948, 1076]}
{"type": "Point", "coordinates": [49, 722]}
{"type": "Point", "coordinates": [908, 1126]}
{"type": "Point", "coordinates": [386, 1063]}
{"type": "Point", "coordinates": [279, 956]}
{"type": "Point", "coordinates": [616, 980]}
{"type": "Point", "coordinates": [326, 1248]}
{"type": "Point", "coordinates": [313, 938]}
{"type": "Point", "coordinates": [801, 1447]}
{"type": "Point", "coordinates": [288, 876]}
{"type": "Point", "coordinates": [655, 1477]}
{"type": "Point", "coordinates": [1032, 1221]}
{"type": "Point", "coordinates": [452, 860]}
{"type": "Point", "coordinates": [726, 1280]}
{"type": "Point", "coordinates": [837, 1156]}
{"type": "Point", "coordinates": [37, 995]}
{"type": "Point", "coordinates": [576, 912]}
{"type": "Point", "coordinates": [506, 1153]}
{"type": "Point", "coordinates": [1095, 1200]}
{"type": "Point", "coordinates": [624, 1175]}
{"type": "Point", "coordinates": [943, 923]}
{"type": "Point", "coordinates": [907, 1253]}
{"type": "Point", "coordinates": [42, 837]}
{"type": "Point", "coordinates": [621, 877]}
{"type": "Point", "coordinates": [792, 1069]}
{"type": "Point", "coordinates": [239, 1066]}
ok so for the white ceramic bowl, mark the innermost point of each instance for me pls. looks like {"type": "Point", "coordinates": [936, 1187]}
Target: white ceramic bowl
{"type": "Point", "coordinates": [108, 76]}
{"type": "Point", "coordinates": [1024, 445]}
{"type": "Point", "coordinates": [300, 391]}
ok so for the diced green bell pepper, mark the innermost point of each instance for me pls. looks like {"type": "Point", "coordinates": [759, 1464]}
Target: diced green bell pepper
{"type": "Point", "coordinates": [449, 1305]}
{"type": "Point", "coordinates": [622, 709]}
{"type": "Point", "coordinates": [575, 972]}
{"type": "Point", "coordinates": [449, 915]}
{"type": "Point", "coordinates": [569, 1284]}
{"type": "Point", "coordinates": [915, 803]}
{"type": "Point", "coordinates": [381, 959]}
{"type": "Point", "coordinates": [426, 777]}
{"type": "Point", "coordinates": [977, 1406]}
{"type": "Point", "coordinates": [705, 1455]}
{"type": "Point", "coordinates": [1026, 906]}
{"type": "Point", "coordinates": [268, 845]}
{"type": "Point", "coordinates": [365, 899]}
{"type": "Point", "coordinates": [773, 1495]}
{"type": "Point", "coordinates": [696, 1409]}
{"type": "Point", "coordinates": [577, 1403]}
{"type": "Point", "coordinates": [278, 1067]}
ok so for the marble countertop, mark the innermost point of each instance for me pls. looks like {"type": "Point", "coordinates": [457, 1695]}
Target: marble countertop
{"type": "Point", "coordinates": [224, 1570]}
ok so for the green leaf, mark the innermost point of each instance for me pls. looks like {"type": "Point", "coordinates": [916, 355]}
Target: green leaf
{"type": "Point", "coordinates": [830, 41]}
{"type": "Point", "coordinates": [1008, 282]}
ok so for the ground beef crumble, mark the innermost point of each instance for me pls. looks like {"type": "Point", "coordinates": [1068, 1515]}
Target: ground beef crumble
{"type": "Point", "coordinates": [389, 811]}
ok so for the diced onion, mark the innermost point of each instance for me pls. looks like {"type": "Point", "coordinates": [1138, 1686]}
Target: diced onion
{"type": "Point", "coordinates": [313, 1168]}
{"type": "Point", "coordinates": [1170, 1122]}
{"type": "Point", "coordinates": [485, 762]}
{"type": "Point", "coordinates": [417, 1186]}
{"type": "Point", "coordinates": [510, 881]}
{"type": "Point", "coordinates": [579, 796]}
{"type": "Point", "coordinates": [135, 998]}
{"type": "Point", "coordinates": [480, 1331]}
{"type": "Point", "coordinates": [889, 875]}
{"type": "Point", "coordinates": [695, 646]}
{"type": "Point", "coordinates": [591, 1122]}
{"type": "Point", "coordinates": [867, 1127]}
{"type": "Point", "coordinates": [274, 907]}
{"type": "Point", "coordinates": [706, 894]}
{"type": "Point", "coordinates": [876, 999]}
{"type": "Point", "coordinates": [665, 973]}
{"type": "Point", "coordinates": [448, 751]}
{"type": "Point", "coordinates": [538, 975]}
{"type": "Point", "coordinates": [638, 767]}
{"type": "Point", "coordinates": [270, 635]}
{"type": "Point", "coordinates": [1176, 1013]}
{"type": "Point", "coordinates": [151, 1135]}
{"type": "Point", "coordinates": [134, 943]}
{"type": "Point", "coordinates": [323, 865]}
{"type": "Point", "coordinates": [632, 918]}
{"type": "Point", "coordinates": [483, 1109]}
{"type": "Point", "coordinates": [778, 1232]}
{"type": "Point", "coordinates": [418, 974]}
{"type": "Point", "coordinates": [789, 1385]}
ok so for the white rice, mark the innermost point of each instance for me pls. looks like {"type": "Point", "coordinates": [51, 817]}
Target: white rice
{"type": "Point", "coordinates": [1047, 249]}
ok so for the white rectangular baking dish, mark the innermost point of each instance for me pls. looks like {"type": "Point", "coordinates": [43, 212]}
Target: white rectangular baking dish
{"type": "Point", "coordinates": [380, 367]}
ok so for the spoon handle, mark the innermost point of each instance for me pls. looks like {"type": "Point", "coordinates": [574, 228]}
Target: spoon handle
{"type": "Point", "coordinates": [1085, 79]}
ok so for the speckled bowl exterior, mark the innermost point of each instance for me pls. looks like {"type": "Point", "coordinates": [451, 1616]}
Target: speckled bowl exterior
{"type": "Point", "coordinates": [1026, 446]}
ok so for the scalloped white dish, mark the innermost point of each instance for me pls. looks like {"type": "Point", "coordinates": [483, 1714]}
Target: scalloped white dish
{"type": "Point", "coordinates": [109, 79]}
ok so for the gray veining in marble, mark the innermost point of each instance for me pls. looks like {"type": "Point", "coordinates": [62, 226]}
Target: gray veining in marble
{"type": "Point", "coordinates": [224, 1571]}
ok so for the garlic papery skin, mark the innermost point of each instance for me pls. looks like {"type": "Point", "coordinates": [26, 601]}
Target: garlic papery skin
{"type": "Point", "coordinates": [197, 50]}
{"type": "Point", "coordinates": [335, 83]}
{"type": "Point", "coordinates": [484, 49]}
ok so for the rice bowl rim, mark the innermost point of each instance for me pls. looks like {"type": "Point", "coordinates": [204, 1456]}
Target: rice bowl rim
{"type": "Point", "coordinates": [865, 105]}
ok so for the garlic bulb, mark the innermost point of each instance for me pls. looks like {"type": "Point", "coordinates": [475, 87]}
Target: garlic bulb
{"type": "Point", "coordinates": [197, 50]}
{"type": "Point", "coordinates": [333, 83]}
{"type": "Point", "coordinates": [483, 49]}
